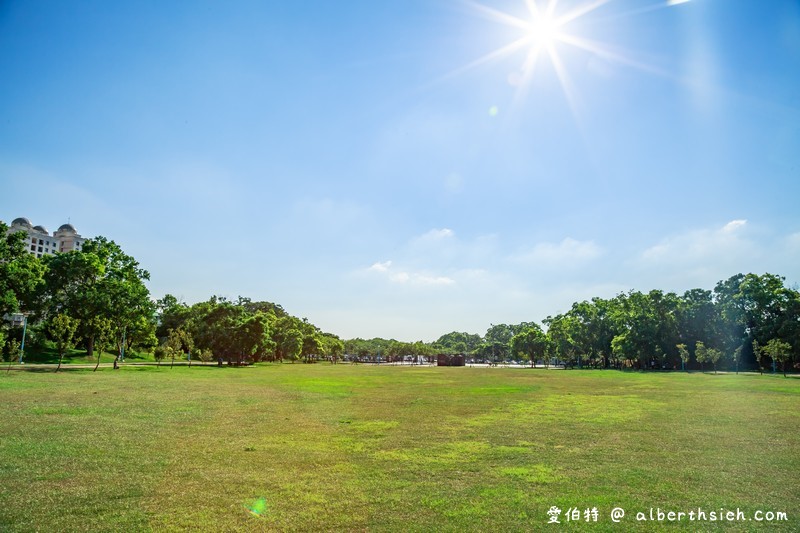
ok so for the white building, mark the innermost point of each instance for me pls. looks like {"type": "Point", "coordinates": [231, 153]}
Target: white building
{"type": "Point", "coordinates": [40, 242]}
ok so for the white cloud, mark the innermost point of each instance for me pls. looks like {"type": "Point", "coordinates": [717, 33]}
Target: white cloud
{"type": "Point", "coordinates": [703, 244]}
{"type": "Point", "coordinates": [734, 225]}
{"type": "Point", "coordinates": [437, 235]}
{"type": "Point", "coordinates": [567, 253]}
{"type": "Point", "coordinates": [380, 267]}
{"type": "Point", "coordinates": [420, 278]}
{"type": "Point", "coordinates": [424, 279]}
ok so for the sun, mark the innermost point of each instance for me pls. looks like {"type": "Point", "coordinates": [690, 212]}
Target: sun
{"type": "Point", "coordinates": [544, 30]}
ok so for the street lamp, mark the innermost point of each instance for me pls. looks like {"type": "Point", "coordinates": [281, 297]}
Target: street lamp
{"type": "Point", "coordinates": [24, 330]}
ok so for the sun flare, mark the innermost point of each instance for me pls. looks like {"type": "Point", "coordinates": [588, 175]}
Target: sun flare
{"type": "Point", "coordinates": [544, 31]}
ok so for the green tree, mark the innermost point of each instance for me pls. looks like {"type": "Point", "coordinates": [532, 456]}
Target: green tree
{"type": "Point", "coordinates": [593, 326]}
{"type": "Point", "coordinates": [311, 346]}
{"type": "Point", "coordinates": [13, 348]}
{"type": "Point", "coordinates": [21, 273]}
{"type": "Point", "coordinates": [205, 355]}
{"type": "Point", "coordinates": [62, 329]}
{"type": "Point", "coordinates": [212, 325]}
{"type": "Point", "coordinates": [737, 357]}
{"type": "Point", "coordinates": [683, 353]}
{"type": "Point", "coordinates": [178, 342]}
{"type": "Point", "coordinates": [3, 344]}
{"type": "Point", "coordinates": [701, 355]}
{"type": "Point", "coordinates": [251, 337]}
{"type": "Point", "coordinates": [496, 345]}
{"type": "Point", "coordinates": [756, 309]}
{"type": "Point", "coordinates": [648, 327]}
{"type": "Point", "coordinates": [560, 330]}
{"type": "Point", "coordinates": [779, 351]}
{"type": "Point", "coordinates": [98, 281]}
{"type": "Point", "coordinates": [713, 356]}
{"type": "Point", "coordinates": [757, 353]}
{"type": "Point", "coordinates": [291, 345]}
{"type": "Point", "coordinates": [332, 347]}
{"type": "Point", "coordinates": [103, 331]}
{"type": "Point", "coordinates": [161, 351]}
{"type": "Point", "coordinates": [698, 318]}
{"type": "Point", "coordinates": [457, 343]}
{"type": "Point", "coordinates": [531, 344]}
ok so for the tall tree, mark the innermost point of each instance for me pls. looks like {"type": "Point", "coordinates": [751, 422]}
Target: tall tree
{"type": "Point", "coordinates": [560, 331]}
{"type": "Point", "coordinates": [291, 345]}
{"type": "Point", "coordinates": [531, 343]}
{"type": "Point", "coordinates": [100, 280]}
{"type": "Point", "coordinates": [21, 274]}
{"type": "Point", "coordinates": [251, 337]}
{"type": "Point", "coordinates": [755, 309]}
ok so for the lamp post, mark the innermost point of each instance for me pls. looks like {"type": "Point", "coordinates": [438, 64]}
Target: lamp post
{"type": "Point", "coordinates": [122, 347]}
{"type": "Point", "coordinates": [24, 330]}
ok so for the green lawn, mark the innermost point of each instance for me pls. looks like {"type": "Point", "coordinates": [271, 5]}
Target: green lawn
{"type": "Point", "coordinates": [342, 447]}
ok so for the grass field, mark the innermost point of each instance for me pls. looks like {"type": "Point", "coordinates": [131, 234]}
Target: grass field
{"type": "Point", "coordinates": [323, 447]}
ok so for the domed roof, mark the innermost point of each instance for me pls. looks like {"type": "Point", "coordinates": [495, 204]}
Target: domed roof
{"type": "Point", "coordinates": [67, 227]}
{"type": "Point", "coordinates": [41, 229]}
{"type": "Point", "coordinates": [21, 221]}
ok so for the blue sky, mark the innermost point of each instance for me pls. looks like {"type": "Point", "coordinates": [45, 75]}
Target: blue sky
{"type": "Point", "coordinates": [360, 164]}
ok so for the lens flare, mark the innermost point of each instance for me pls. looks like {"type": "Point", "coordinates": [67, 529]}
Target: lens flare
{"type": "Point", "coordinates": [257, 507]}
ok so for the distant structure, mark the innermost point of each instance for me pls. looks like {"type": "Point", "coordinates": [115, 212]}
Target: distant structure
{"type": "Point", "coordinates": [449, 360]}
{"type": "Point", "coordinates": [40, 242]}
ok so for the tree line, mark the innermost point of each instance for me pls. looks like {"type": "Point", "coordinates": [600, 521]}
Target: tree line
{"type": "Point", "coordinates": [96, 298]}
{"type": "Point", "coordinates": [746, 322]}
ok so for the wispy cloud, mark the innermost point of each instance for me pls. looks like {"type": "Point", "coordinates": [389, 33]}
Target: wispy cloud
{"type": "Point", "coordinates": [699, 245]}
{"type": "Point", "coordinates": [380, 267]}
{"type": "Point", "coordinates": [437, 234]}
{"type": "Point", "coordinates": [405, 276]}
{"type": "Point", "coordinates": [568, 252]}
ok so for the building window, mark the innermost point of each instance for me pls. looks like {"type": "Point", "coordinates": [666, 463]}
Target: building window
{"type": "Point", "coordinates": [33, 247]}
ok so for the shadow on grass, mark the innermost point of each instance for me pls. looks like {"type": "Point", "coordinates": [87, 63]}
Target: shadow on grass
{"type": "Point", "coordinates": [153, 366]}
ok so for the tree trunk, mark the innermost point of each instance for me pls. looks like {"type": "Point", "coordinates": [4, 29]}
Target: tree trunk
{"type": "Point", "coordinates": [60, 358]}
{"type": "Point", "coordinates": [90, 347]}
{"type": "Point", "coordinates": [116, 359]}
{"type": "Point", "coordinates": [99, 352]}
